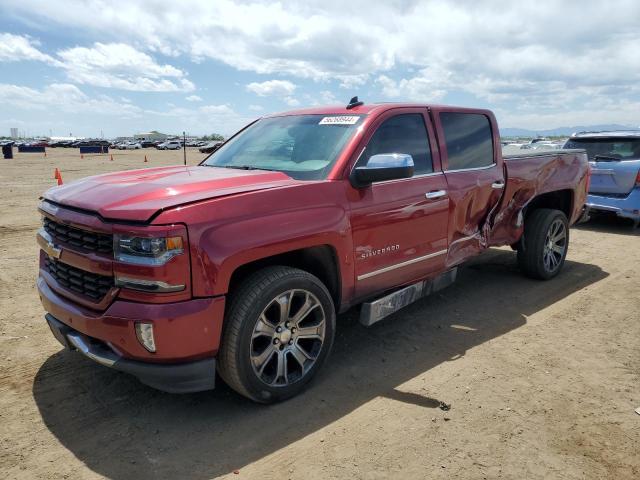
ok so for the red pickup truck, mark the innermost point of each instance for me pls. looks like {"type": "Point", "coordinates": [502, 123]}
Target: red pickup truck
{"type": "Point", "coordinates": [240, 265]}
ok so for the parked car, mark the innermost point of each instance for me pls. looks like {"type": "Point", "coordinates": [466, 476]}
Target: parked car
{"type": "Point", "coordinates": [147, 144]}
{"type": "Point", "coordinates": [615, 171]}
{"type": "Point", "coordinates": [172, 145]}
{"type": "Point", "coordinates": [210, 147]}
{"type": "Point", "coordinates": [128, 146]}
{"type": "Point", "coordinates": [542, 145]}
{"type": "Point", "coordinates": [242, 263]}
{"type": "Point", "coordinates": [169, 145]}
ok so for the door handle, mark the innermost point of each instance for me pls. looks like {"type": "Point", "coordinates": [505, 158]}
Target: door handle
{"type": "Point", "coordinates": [498, 184]}
{"type": "Point", "coordinates": [435, 194]}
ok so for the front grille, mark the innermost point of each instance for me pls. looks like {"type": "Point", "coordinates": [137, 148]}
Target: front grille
{"type": "Point", "coordinates": [76, 237]}
{"type": "Point", "coordinates": [89, 284]}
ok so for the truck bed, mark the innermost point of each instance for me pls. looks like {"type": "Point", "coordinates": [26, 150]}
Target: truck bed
{"type": "Point", "coordinates": [536, 153]}
{"type": "Point", "coordinates": [530, 175]}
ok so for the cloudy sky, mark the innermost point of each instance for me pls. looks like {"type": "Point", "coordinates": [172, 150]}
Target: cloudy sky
{"type": "Point", "coordinates": [83, 67]}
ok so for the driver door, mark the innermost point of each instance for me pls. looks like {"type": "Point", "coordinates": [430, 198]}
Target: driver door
{"type": "Point", "coordinates": [400, 226]}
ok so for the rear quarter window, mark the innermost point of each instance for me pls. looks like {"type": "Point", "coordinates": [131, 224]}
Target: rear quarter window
{"type": "Point", "coordinates": [468, 139]}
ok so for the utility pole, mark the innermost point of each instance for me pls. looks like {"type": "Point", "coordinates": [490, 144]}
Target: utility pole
{"type": "Point", "coordinates": [184, 146]}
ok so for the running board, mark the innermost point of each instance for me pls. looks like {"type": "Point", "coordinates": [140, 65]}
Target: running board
{"type": "Point", "coordinates": [375, 311]}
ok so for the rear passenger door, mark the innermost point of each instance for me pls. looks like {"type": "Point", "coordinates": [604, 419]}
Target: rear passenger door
{"type": "Point", "coordinates": [399, 226]}
{"type": "Point", "coordinates": [474, 174]}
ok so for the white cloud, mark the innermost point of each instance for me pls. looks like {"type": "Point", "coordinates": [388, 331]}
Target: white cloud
{"type": "Point", "coordinates": [327, 97]}
{"type": "Point", "coordinates": [217, 110]}
{"type": "Point", "coordinates": [276, 88]}
{"type": "Point", "coordinates": [520, 57]}
{"type": "Point", "coordinates": [118, 65]}
{"type": "Point", "coordinates": [51, 103]}
{"type": "Point", "coordinates": [112, 65]}
{"type": "Point", "coordinates": [193, 98]}
{"type": "Point", "coordinates": [282, 89]}
{"type": "Point", "coordinates": [291, 101]}
{"type": "Point", "coordinates": [18, 48]}
{"type": "Point", "coordinates": [422, 88]}
{"type": "Point", "coordinates": [206, 118]}
{"type": "Point", "coordinates": [256, 108]}
{"type": "Point", "coordinates": [63, 97]}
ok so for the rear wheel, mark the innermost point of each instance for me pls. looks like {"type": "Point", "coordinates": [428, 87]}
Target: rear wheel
{"type": "Point", "coordinates": [543, 249]}
{"type": "Point", "coordinates": [278, 332]}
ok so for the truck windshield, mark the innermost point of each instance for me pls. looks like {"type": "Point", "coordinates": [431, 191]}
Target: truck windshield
{"type": "Point", "coordinates": [304, 147]}
{"type": "Point", "coordinates": [607, 148]}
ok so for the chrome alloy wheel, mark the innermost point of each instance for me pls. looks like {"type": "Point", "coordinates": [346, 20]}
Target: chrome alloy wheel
{"type": "Point", "coordinates": [287, 338]}
{"type": "Point", "coordinates": [555, 245]}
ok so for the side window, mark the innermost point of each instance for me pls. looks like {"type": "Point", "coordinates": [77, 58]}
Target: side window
{"type": "Point", "coordinates": [402, 134]}
{"type": "Point", "coordinates": [469, 140]}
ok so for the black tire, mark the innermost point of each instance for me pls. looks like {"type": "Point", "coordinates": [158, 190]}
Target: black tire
{"type": "Point", "coordinates": [534, 250]}
{"type": "Point", "coordinates": [257, 292]}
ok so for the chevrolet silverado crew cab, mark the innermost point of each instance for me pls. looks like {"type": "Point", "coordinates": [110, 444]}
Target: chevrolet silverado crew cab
{"type": "Point", "coordinates": [240, 265]}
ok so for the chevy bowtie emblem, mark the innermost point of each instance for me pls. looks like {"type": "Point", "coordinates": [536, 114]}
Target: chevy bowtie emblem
{"type": "Point", "coordinates": [52, 250]}
{"type": "Point", "coordinates": [46, 243]}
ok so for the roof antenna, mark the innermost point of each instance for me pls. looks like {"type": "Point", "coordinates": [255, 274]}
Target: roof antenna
{"type": "Point", "coordinates": [353, 103]}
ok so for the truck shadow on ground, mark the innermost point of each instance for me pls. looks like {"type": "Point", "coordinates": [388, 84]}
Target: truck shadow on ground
{"type": "Point", "coordinates": [122, 429]}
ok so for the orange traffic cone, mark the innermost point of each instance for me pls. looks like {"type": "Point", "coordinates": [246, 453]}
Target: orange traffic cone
{"type": "Point", "coordinates": [45, 154]}
{"type": "Point", "coordinates": [59, 178]}
{"type": "Point", "coordinates": [56, 174]}
{"type": "Point", "coordinates": [111, 157]}
{"type": "Point", "coordinates": [145, 159]}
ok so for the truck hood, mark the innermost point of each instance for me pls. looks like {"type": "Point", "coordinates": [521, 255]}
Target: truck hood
{"type": "Point", "coordinates": [136, 195]}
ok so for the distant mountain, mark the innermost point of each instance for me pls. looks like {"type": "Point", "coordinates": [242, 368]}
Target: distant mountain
{"type": "Point", "coordinates": [523, 132]}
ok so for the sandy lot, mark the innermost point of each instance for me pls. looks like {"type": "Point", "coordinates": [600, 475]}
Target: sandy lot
{"type": "Point", "coordinates": [542, 377]}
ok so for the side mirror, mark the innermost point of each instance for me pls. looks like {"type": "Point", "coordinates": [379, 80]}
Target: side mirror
{"type": "Point", "coordinates": [385, 166]}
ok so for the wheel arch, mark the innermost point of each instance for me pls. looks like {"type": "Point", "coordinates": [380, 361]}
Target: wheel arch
{"type": "Point", "coordinates": [558, 200]}
{"type": "Point", "coordinates": [320, 261]}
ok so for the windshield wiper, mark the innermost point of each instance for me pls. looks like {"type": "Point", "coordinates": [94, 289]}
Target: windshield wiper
{"type": "Point", "coordinates": [244, 167]}
{"type": "Point", "coordinates": [606, 158]}
{"type": "Point", "coordinates": [247, 167]}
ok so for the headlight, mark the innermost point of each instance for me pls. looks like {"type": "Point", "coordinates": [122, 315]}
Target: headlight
{"type": "Point", "coordinates": [146, 250]}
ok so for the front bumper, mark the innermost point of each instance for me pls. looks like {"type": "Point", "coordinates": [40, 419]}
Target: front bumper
{"type": "Point", "coordinates": [173, 378]}
{"type": "Point", "coordinates": [187, 337]}
{"type": "Point", "coordinates": [626, 207]}
{"type": "Point", "coordinates": [183, 331]}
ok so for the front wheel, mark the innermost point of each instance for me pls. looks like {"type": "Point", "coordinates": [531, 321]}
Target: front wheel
{"type": "Point", "coordinates": [277, 334]}
{"type": "Point", "coordinates": [543, 249]}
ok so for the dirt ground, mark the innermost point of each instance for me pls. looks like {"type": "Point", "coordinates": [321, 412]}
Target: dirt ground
{"type": "Point", "coordinates": [542, 377]}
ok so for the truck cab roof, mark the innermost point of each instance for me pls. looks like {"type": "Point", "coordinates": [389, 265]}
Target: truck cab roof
{"type": "Point", "coordinates": [369, 108]}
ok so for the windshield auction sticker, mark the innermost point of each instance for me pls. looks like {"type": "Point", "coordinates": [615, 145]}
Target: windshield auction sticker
{"type": "Point", "coordinates": [341, 120]}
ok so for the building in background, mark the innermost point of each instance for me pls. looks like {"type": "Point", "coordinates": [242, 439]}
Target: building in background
{"type": "Point", "coordinates": [14, 133]}
{"type": "Point", "coordinates": [151, 136]}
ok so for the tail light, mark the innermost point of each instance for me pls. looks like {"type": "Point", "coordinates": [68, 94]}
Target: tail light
{"type": "Point", "coordinates": [638, 179]}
